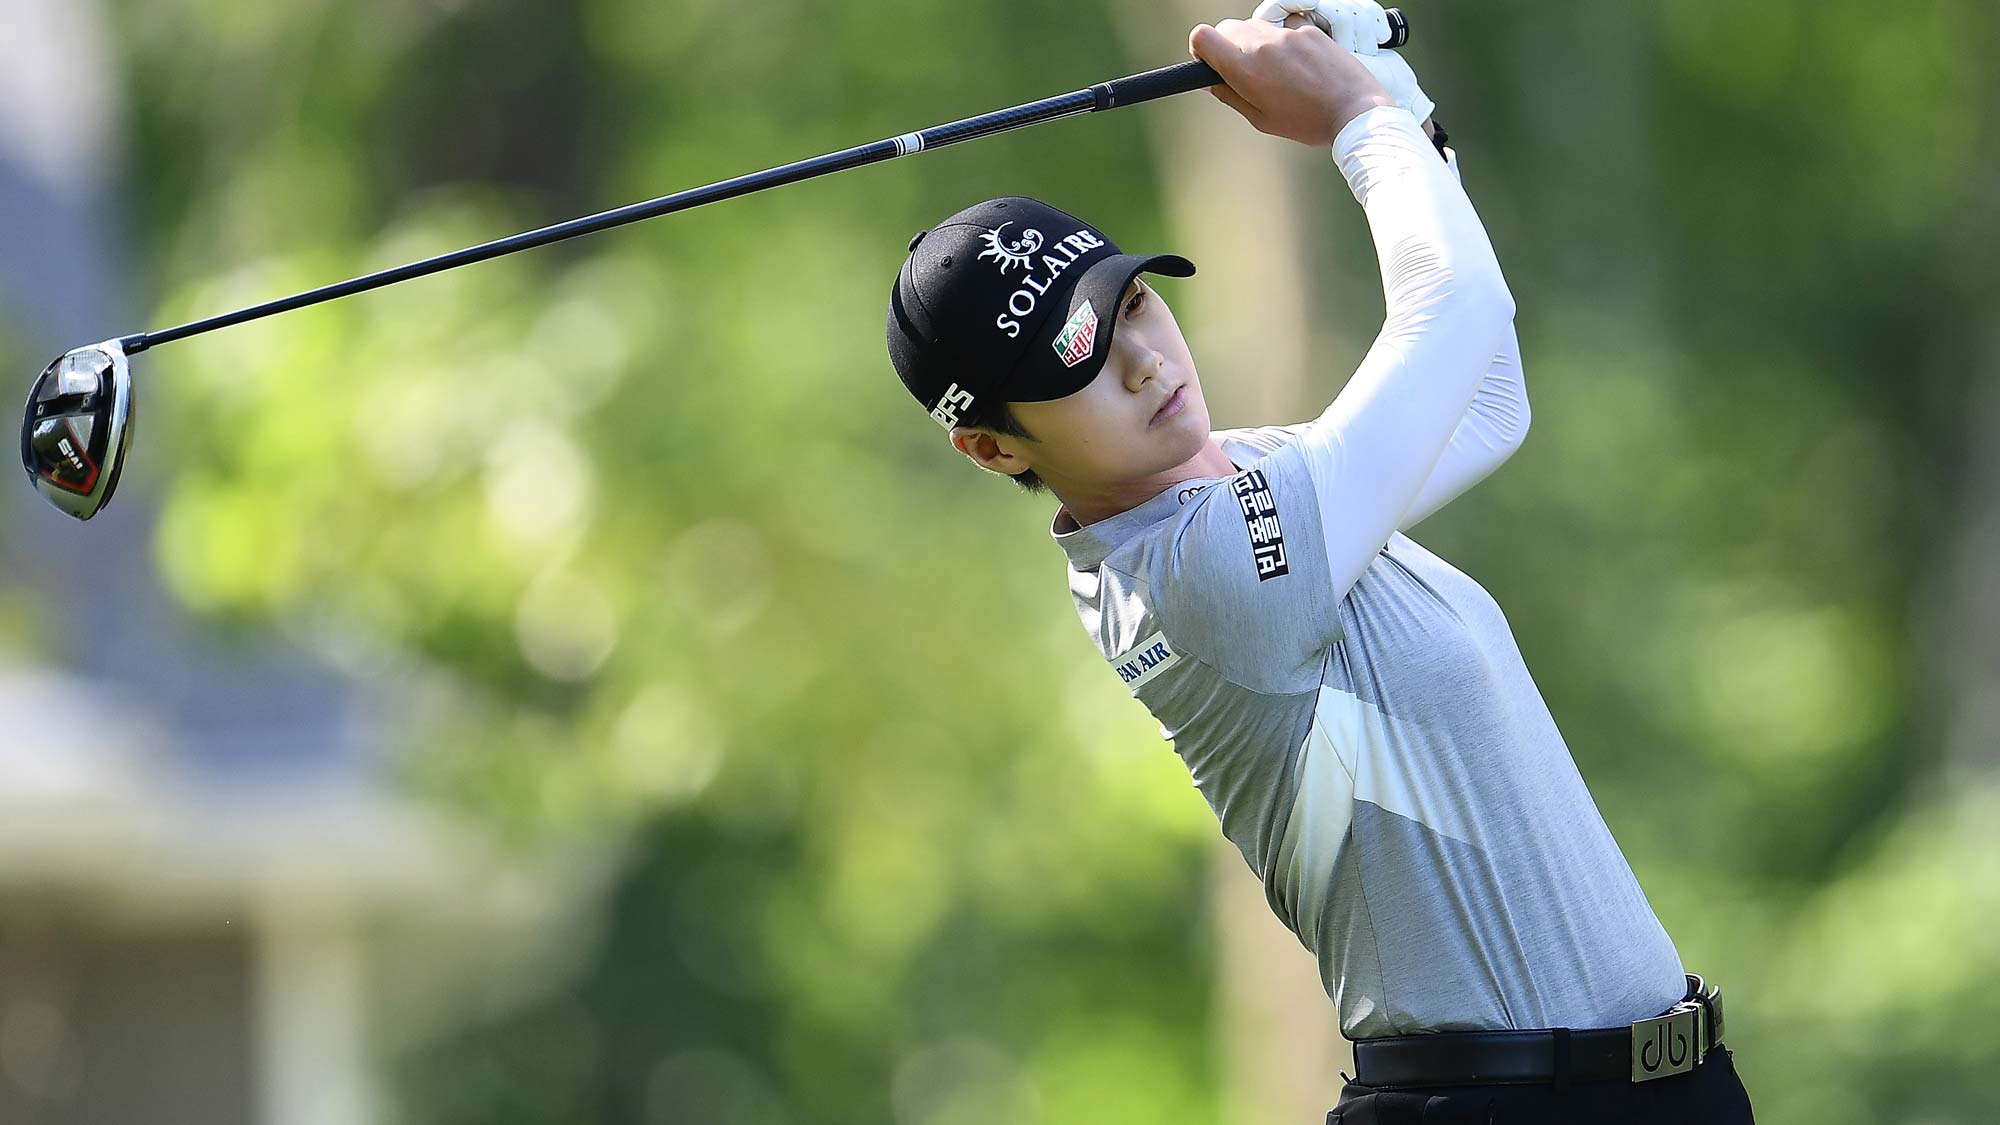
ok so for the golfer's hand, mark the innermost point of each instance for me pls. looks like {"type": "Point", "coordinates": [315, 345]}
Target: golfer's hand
{"type": "Point", "coordinates": [1295, 83]}
{"type": "Point", "coordinates": [1361, 26]}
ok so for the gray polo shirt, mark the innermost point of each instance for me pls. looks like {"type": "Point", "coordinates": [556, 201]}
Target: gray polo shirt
{"type": "Point", "coordinates": [1379, 754]}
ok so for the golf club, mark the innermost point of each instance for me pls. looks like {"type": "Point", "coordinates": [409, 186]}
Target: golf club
{"type": "Point", "coordinates": [78, 421]}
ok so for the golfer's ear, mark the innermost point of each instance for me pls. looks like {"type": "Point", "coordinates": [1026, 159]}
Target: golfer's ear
{"type": "Point", "coordinates": [984, 448]}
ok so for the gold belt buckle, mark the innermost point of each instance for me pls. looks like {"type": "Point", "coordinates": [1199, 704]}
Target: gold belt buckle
{"type": "Point", "coordinates": [1669, 1044]}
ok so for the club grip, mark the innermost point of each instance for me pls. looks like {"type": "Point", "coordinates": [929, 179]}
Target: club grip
{"type": "Point", "coordinates": [1164, 82]}
{"type": "Point", "coordinates": [1197, 75]}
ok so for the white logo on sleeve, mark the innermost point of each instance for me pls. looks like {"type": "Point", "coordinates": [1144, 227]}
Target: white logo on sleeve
{"type": "Point", "coordinates": [1143, 661]}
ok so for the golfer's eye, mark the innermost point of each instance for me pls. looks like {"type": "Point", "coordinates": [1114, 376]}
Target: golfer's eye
{"type": "Point", "coordinates": [1136, 303]}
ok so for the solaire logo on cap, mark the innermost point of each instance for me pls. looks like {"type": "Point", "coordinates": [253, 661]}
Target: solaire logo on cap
{"type": "Point", "coordinates": [1040, 275]}
{"type": "Point", "coordinates": [1078, 337]}
{"type": "Point", "coordinates": [1019, 252]}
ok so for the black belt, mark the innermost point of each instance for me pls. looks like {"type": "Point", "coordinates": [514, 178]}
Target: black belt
{"type": "Point", "coordinates": [1673, 1042]}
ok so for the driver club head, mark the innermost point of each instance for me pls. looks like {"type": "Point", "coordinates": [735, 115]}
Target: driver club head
{"type": "Point", "coordinates": [77, 425]}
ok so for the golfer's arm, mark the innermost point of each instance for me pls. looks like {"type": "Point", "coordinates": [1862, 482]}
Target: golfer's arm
{"type": "Point", "coordinates": [1492, 429]}
{"type": "Point", "coordinates": [1374, 448]}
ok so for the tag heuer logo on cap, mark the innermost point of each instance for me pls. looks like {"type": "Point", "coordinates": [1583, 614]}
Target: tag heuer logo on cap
{"type": "Point", "coordinates": [1078, 337]}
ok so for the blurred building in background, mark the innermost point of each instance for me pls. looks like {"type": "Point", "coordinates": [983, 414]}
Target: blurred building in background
{"type": "Point", "coordinates": [176, 948]}
{"type": "Point", "coordinates": [205, 878]}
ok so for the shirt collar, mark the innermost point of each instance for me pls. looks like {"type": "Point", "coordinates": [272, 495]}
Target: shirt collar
{"type": "Point", "coordinates": [1088, 547]}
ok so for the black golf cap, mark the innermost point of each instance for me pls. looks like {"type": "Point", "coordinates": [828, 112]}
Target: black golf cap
{"type": "Point", "coordinates": [1009, 300]}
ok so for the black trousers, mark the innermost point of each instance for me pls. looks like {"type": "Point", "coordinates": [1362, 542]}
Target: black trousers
{"type": "Point", "coordinates": [1710, 1094]}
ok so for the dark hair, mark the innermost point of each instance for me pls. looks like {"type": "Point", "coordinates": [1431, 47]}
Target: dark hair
{"type": "Point", "coordinates": [999, 417]}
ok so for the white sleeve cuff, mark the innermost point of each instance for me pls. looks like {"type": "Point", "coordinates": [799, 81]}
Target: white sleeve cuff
{"type": "Point", "coordinates": [1380, 144]}
{"type": "Point", "coordinates": [1351, 132]}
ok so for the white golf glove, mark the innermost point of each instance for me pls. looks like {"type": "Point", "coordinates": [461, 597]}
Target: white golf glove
{"type": "Point", "coordinates": [1361, 26]}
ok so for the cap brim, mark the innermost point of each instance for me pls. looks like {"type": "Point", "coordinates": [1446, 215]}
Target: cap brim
{"type": "Point", "coordinates": [1046, 372]}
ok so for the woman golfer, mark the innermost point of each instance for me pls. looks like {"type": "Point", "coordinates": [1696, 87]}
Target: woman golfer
{"type": "Point", "coordinates": [1353, 708]}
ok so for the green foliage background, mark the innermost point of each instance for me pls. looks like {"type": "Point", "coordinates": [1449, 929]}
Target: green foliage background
{"type": "Point", "coordinates": [659, 545]}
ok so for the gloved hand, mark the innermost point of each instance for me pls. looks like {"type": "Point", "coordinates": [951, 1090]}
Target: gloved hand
{"type": "Point", "coordinates": [1361, 26]}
